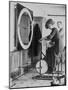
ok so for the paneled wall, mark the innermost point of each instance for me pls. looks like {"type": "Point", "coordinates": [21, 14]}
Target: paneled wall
{"type": "Point", "coordinates": [18, 61]}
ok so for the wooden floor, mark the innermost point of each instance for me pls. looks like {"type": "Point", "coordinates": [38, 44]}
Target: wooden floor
{"type": "Point", "coordinates": [27, 81]}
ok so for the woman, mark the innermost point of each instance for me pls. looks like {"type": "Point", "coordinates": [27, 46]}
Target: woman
{"type": "Point", "coordinates": [54, 38]}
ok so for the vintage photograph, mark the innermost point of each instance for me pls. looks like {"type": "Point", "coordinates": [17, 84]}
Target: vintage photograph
{"type": "Point", "coordinates": [37, 44]}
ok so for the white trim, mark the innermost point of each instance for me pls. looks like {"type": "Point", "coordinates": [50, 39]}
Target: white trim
{"type": "Point", "coordinates": [21, 13]}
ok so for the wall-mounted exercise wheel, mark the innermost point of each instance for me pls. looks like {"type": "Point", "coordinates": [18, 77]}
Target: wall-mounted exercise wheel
{"type": "Point", "coordinates": [25, 28]}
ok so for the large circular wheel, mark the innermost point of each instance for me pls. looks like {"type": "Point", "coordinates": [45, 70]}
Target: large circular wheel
{"type": "Point", "coordinates": [41, 67]}
{"type": "Point", "coordinates": [24, 28]}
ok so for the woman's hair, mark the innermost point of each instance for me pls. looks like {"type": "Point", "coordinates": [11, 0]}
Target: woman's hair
{"type": "Point", "coordinates": [49, 21]}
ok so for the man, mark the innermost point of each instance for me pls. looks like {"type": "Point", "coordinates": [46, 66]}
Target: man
{"type": "Point", "coordinates": [61, 32]}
